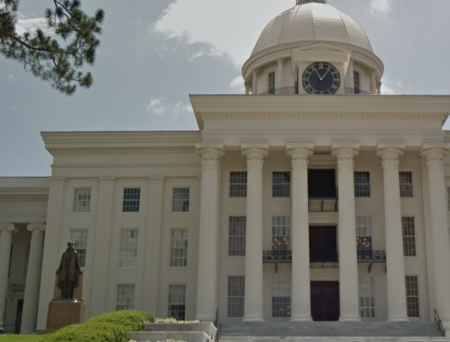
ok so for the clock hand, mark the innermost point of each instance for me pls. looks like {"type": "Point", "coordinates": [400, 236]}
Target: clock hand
{"type": "Point", "coordinates": [318, 74]}
{"type": "Point", "coordinates": [325, 74]}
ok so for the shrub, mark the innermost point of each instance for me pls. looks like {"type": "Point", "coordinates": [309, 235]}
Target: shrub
{"type": "Point", "coordinates": [95, 332]}
{"type": "Point", "coordinates": [134, 320]}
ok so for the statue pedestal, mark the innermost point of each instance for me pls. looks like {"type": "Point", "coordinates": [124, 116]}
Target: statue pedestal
{"type": "Point", "coordinates": [62, 313]}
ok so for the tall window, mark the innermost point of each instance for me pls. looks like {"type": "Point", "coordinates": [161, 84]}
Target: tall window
{"type": "Point", "coordinates": [409, 236]}
{"type": "Point", "coordinates": [179, 248]}
{"type": "Point", "coordinates": [272, 83]}
{"type": "Point", "coordinates": [357, 82]}
{"type": "Point", "coordinates": [412, 296]}
{"type": "Point", "coordinates": [177, 302]}
{"type": "Point", "coordinates": [125, 297]}
{"type": "Point", "coordinates": [362, 184]}
{"type": "Point", "coordinates": [131, 200]}
{"type": "Point", "coordinates": [236, 296]}
{"type": "Point", "coordinates": [281, 233]}
{"type": "Point", "coordinates": [406, 184]}
{"type": "Point", "coordinates": [82, 200]}
{"type": "Point", "coordinates": [366, 297]}
{"type": "Point", "coordinates": [238, 184]}
{"type": "Point", "coordinates": [79, 238]}
{"type": "Point", "coordinates": [180, 200]}
{"type": "Point", "coordinates": [281, 184]}
{"type": "Point", "coordinates": [364, 233]}
{"type": "Point", "coordinates": [281, 296]}
{"type": "Point", "coordinates": [236, 239]}
{"type": "Point", "coordinates": [128, 248]}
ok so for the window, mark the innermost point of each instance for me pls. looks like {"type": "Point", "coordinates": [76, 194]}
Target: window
{"type": "Point", "coordinates": [238, 184]}
{"type": "Point", "coordinates": [409, 236]}
{"type": "Point", "coordinates": [364, 233]}
{"type": "Point", "coordinates": [236, 296]}
{"type": "Point", "coordinates": [177, 302]}
{"type": "Point", "coordinates": [180, 201]}
{"type": "Point", "coordinates": [362, 184]}
{"type": "Point", "coordinates": [366, 297]}
{"type": "Point", "coordinates": [128, 248]}
{"type": "Point", "coordinates": [406, 184]}
{"type": "Point", "coordinates": [79, 238]}
{"type": "Point", "coordinates": [281, 233]}
{"type": "Point", "coordinates": [178, 248]}
{"type": "Point", "coordinates": [236, 240]}
{"type": "Point", "coordinates": [131, 200]}
{"type": "Point", "coordinates": [412, 296]}
{"type": "Point", "coordinates": [281, 296]}
{"type": "Point", "coordinates": [357, 82]}
{"type": "Point", "coordinates": [272, 83]}
{"type": "Point", "coordinates": [281, 184]}
{"type": "Point", "coordinates": [82, 200]}
{"type": "Point", "coordinates": [125, 297]}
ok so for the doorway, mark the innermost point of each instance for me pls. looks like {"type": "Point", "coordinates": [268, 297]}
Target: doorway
{"type": "Point", "coordinates": [323, 244]}
{"type": "Point", "coordinates": [325, 300]}
{"type": "Point", "coordinates": [18, 324]}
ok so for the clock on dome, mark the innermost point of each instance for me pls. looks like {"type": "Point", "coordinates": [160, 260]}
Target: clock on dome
{"type": "Point", "coordinates": [321, 78]}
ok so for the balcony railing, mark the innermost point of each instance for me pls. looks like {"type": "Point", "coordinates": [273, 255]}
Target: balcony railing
{"type": "Point", "coordinates": [294, 91]}
{"type": "Point", "coordinates": [353, 91]}
{"type": "Point", "coordinates": [285, 256]}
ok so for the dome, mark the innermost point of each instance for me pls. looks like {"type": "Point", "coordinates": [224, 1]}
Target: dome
{"type": "Point", "coordinates": [312, 22]}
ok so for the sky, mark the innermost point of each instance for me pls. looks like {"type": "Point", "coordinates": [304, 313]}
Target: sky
{"type": "Point", "coordinates": [154, 53]}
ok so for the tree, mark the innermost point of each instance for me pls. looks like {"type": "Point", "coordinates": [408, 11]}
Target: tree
{"type": "Point", "coordinates": [58, 58]}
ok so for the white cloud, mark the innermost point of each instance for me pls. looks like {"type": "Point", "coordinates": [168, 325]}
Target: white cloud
{"type": "Point", "coordinates": [161, 107]}
{"type": "Point", "coordinates": [11, 77]}
{"type": "Point", "coordinates": [30, 25]}
{"type": "Point", "coordinates": [394, 87]}
{"type": "Point", "coordinates": [137, 22]}
{"type": "Point", "coordinates": [380, 7]}
{"type": "Point", "coordinates": [237, 84]}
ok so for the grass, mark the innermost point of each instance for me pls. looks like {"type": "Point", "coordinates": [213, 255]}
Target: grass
{"type": "Point", "coordinates": [20, 338]}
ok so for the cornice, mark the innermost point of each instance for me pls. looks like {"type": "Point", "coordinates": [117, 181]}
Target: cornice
{"type": "Point", "coordinates": [328, 132]}
{"type": "Point", "coordinates": [122, 166]}
{"type": "Point", "coordinates": [23, 198]}
{"type": "Point", "coordinates": [165, 150]}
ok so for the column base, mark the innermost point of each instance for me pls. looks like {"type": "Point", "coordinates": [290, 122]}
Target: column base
{"type": "Point", "coordinates": [253, 319]}
{"type": "Point", "coordinates": [398, 319]}
{"type": "Point", "coordinates": [301, 319]}
{"type": "Point", "coordinates": [350, 319]}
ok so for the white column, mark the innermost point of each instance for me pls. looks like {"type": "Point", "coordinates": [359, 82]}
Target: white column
{"type": "Point", "coordinates": [247, 89]}
{"type": "Point", "coordinates": [351, 77]}
{"type": "Point", "coordinates": [373, 82]}
{"type": "Point", "coordinates": [379, 84]}
{"type": "Point", "coordinates": [99, 284]}
{"type": "Point", "coordinates": [33, 279]}
{"type": "Point", "coordinates": [396, 287]}
{"type": "Point", "coordinates": [255, 154]}
{"type": "Point", "coordinates": [255, 81]}
{"type": "Point", "coordinates": [279, 75]}
{"type": "Point", "coordinates": [6, 232]}
{"type": "Point", "coordinates": [208, 260]}
{"type": "Point", "coordinates": [153, 243]}
{"type": "Point", "coordinates": [51, 258]}
{"type": "Point", "coordinates": [301, 284]}
{"type": "Point", "coordinates": [348, 259]}
{"type": "Point", "coordinates": [439, 227]}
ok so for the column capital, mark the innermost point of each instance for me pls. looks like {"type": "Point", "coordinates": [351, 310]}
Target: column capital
{"type": "Point", "coordinates": [255, 154]}
{"type": "Point", "coordinates": [210, 153]}
{"type": "Point", "coordinates": [255, 71]}
{"type": "Point", "coordinates": [300, 154]}
{"type": "Point", "coordinates": [434, 151]}
{"type": "Point", "coordinates": [390, 154]}
{"type": "Point", "coordinates": [345, 150]}
{"type": "Point", "coordinates": [8, 227]}
{"type": "Point", "coordinates": [36, 227]}
{"type": "Point", "coordinates": [280, 60]}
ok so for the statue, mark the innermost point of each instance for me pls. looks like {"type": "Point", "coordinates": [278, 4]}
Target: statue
{"type": "Point", "coordinates": [69, 271]}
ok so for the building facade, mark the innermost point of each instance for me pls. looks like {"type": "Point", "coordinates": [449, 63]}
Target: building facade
{"type": "Point", "coordinates": [312, 197]}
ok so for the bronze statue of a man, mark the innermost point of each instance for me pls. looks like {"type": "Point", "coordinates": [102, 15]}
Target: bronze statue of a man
{"type": "Point", "coordinates": [69, 271]}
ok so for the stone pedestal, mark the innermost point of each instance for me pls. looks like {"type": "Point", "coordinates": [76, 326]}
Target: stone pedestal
{"type": "Point", "coordinates": [62, 313]}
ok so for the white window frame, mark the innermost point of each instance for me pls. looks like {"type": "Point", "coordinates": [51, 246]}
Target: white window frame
{"type": "Point", "coordinates": [406, 184]}
{"type": "Point", "coordinates": [235, 194]}
{"type": "Point", "coordinates": [82, 252]}
{"type": "Point", "coordinates": [280, 225]}
{"type": "Point", "coordinates": [364, 230]}
{"type": "Point", "coordinates": [356, 77]}
{"type": "Point", "coordinates": [367, 301]}
{"type": "Point", "coordinates": [181, 201]}
{"type": "Point", "coordinates": [273, 89]}
{"type": "Point", "coordinates": [169, 304]}
{"type": "Point", "coordinates": [407, 252]}
{"type": "Point", "coordinates": [125, 306]}
{"type": "Point", "coordinates": [129, 200]}
{"type": "Point", "coordinates": [234, 252]}
{"type": "Point", "coordinates": [174, 261]}
{"type": "Point", "coordinates": [363, 184]}
{"type": "Point", "coordinates": [282, 193]}
{"type": "Point", "coordinates": [83, 205]}
{"type": "Point", "coordinates": [282, 290]}
{"type": "Point", "coordinates": [239, 313]}
{"type": "Point", "coordinates": [418, 295]}
{"type": "Point", "coordinates": [128, 261]}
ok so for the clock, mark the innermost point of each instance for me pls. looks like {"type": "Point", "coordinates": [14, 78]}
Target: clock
{"type": "Point", "coordinates": [321, 78]}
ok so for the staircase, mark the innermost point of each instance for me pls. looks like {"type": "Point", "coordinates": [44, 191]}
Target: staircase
{"type": "Point", "coordinates": [300, 331]}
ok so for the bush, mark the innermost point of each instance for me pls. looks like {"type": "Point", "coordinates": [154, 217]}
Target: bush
{"type": "Point", "coordinates": [95, 332]}
{"type": "Point", "coordinates": [134, 320]}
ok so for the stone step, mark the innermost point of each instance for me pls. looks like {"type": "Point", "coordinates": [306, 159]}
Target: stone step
{"type": "Point", "coordinates": [335, 329]}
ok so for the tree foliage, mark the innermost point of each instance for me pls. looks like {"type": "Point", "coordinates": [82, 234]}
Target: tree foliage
{"type": "Point", "coordinates": [58, 57]}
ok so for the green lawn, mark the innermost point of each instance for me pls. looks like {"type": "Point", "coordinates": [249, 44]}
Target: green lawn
{"type": "Point", "coordinates": [20, 338]}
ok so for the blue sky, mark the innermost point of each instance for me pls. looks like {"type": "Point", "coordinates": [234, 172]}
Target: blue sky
{"type": "Point", "coordinates": [155, 53]}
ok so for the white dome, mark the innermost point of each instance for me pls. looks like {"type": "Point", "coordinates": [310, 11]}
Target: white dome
{"type": "Point", "coordinates": [312, 22]}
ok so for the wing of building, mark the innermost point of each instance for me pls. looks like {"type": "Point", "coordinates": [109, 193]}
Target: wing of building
{"type": "Point", "coordinates": [311, 197]}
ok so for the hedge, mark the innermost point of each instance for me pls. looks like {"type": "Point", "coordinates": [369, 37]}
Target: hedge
{"type": "Point", "coordinates": [132, 319]}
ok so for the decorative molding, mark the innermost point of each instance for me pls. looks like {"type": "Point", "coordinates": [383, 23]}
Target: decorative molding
{"type": "Point", "coordinates": [36, 227]}
{"type": "Point", "coordinates": [9, 227]}
{"type": "Point", "coordinates": [312, 132]}
{"type": "Point", "coordinates": [23, 198]}
{"type": "Point", "coordinates": [112, 150]}
{"type": "Point", "coordinates": [118, 166]}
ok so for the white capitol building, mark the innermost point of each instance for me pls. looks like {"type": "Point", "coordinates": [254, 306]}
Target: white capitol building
{"type": "Point", "coordinates": [313, 197]}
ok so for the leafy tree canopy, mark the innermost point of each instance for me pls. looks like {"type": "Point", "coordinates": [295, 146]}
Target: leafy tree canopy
{"type": "Point", "coordinates": [59, 57]}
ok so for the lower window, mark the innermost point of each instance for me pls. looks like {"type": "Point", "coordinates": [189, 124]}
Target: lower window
{"type": "Point", "coordinates": [366, 297]}
{"type": "Point", "coordinates": [412, 296]}
{"type": "Point", "coordinates": [177, 302]}
{"type": "Point", "coordinates": [125, 297]}
{"type": "Point", "coordinates": [281, 296]}
{"type": "Point", "coordinates": [236, 296]}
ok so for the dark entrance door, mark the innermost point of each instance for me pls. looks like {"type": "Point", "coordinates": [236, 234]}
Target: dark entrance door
{"type": "Point", "coordinates": [325, 300]}
{"type": "Point", "coordinates": [18, 316]}
{"type": "Point", "coordinates": [323, 244]}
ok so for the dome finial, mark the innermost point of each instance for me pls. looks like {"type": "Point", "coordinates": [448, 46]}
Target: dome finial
{"type": "Point", "coordinates": [301, 2]}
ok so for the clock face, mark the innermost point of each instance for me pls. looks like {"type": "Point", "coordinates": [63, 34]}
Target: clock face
{"type": "Point", "coordinates": [321, 78]}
